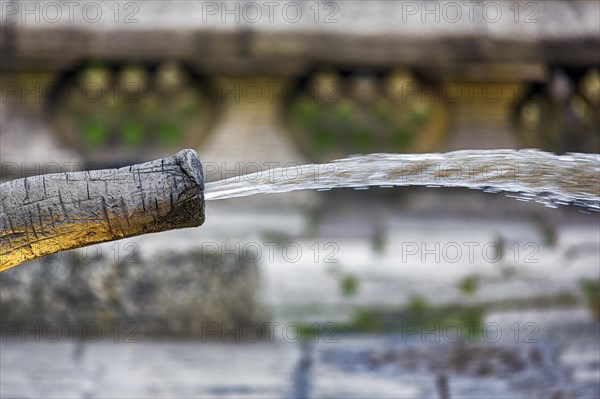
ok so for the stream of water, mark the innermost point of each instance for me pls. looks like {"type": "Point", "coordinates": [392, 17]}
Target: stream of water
{"type": "Point", "coordinates": [528, 175]}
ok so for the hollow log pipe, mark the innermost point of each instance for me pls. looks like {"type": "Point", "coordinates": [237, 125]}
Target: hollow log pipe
{"type": "Point", "coordinates": [45, 214]}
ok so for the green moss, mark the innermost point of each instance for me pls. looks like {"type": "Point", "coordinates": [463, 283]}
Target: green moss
{"type": "Point", "coordinates": [169, 134]}
{"type": "Point", "coordinates": [420, 114]}
{"type": "Point", "coordinates": [305, 112]}
{"type": "Point", "coordinates": [344, 112]}
{"type": "Point", "coordinates": [468, 285]}
{"type": "Point", "coordinates": [591, 291]}
{"type": "Point", "coordinates": [366, 320]}
{"type": "Point", "coordinates": [546, 230]}
{"type": "Point", "coordinates": [94, 133]}
{"type": "Point", "coordinates": [401, 139]}
{"type": "Point", "coordinates": [318, 332]}
{"type": "Point", "coordinates": [132, 134]}
{"type": "Point", "coordinates": [417, 304]}
{"type": "Point", "coordinates": [417, 313]}
{"type": "Point", "coordinates": [383, 111]}
{"type": "Point", "coordinates": [189, 109]}
{"type": "Point", "coordinates": [363, 141]}
{"type": "Point", "coordinates": [325, 139]}
{"type": "Point", "coordinates": [349, 285]}
{"type": "Point", "coordinates": [150, 105]}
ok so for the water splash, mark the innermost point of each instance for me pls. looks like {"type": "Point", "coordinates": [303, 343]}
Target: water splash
{"type": "Point", "coordinates": [527, 175]}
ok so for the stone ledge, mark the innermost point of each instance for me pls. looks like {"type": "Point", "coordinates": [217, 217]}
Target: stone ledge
{"type": "Point", "coordinates": [386, 33]}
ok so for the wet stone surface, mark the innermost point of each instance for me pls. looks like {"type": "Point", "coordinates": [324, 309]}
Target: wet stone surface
{"type": "Point", "coordinates": [164, 294]}
{"type": "Point", "coordinates": [349, 366]}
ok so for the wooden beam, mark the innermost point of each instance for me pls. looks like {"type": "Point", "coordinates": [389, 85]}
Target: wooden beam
{"type": "Point", "coordinates": [45, 214]}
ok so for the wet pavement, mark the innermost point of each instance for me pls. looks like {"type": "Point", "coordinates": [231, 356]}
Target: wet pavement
{"type": "Point", "coordinates": [561, 360]}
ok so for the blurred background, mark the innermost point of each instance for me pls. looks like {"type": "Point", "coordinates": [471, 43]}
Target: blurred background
{"type": "Point", "coordinates": [382, 293]}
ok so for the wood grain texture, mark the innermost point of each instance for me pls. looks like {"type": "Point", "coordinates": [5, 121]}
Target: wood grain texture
{"type": "Point", "coordinates": [46, 214]}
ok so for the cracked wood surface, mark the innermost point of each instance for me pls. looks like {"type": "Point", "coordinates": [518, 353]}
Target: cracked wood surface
{"type": "Point", "coordinates": [45, 214]}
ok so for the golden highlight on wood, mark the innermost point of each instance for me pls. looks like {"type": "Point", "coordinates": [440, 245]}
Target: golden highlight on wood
{"type": "Point", "coordinates": [45, 214]}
